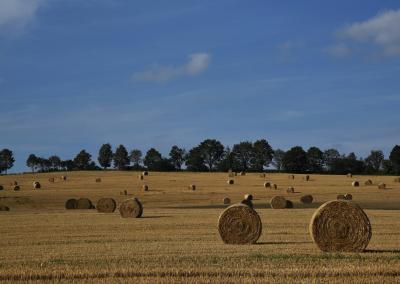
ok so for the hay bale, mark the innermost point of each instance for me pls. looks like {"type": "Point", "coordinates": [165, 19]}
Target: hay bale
{"type": "Point", "coordinates": [397, 179]}
{"type": "Point", "coordinates": [248, 197]}
{"type": "Point", "coordinates": [340, 226]}
{"type": "Point", "coordinates": [243, 173]}
{"type": "Point", "coordinates": [368, 182]}
{"type": "Point", "coordinates": [381, 185]}
{"type": "Point", "coordinates": [230, 181]}
{"type": "Point", "coordinates": [16, 188]}
{"type": "Point", "coordinates": [348, 196]}
{"type": "Point", "coordinates": [290, 189]}
{"type": "Point", "coordinates": [131, 208]}
{"type": "Point", "coordinates": [289, 204]}
{"type": "Point", "coordinates": [71, 204]}
{"type": "Point", "coordinates": [307, 199]}
{"type": "Point", "coordinates": [349, 175]}
{"type": "Point", "coordinates": [263, 175]}
{"type": "Point", "coordinates": [84, 203]}
{"type": "Point", "coordinates": [239, 224]}
{"type": "Point", "coordinates": [145, 187]}
{"type": "Point", "coordinates": [4, 208]}
{"type": "Point", "coordinates": [274, 186]}
{"type": "Point", "coordinates": [51, 180]}
{"type": "Point", "coordinates": [307, 178]}
{"type": "Point", "coordinates": [1, 187]}
{"type": "Point", "coordinates": [291, 176]}
{"type": "Point", "coordinates": [106, 205]}
{"type": "Point", "coordinates": [340, 197]}
{"type": "Point", "coordinates": [125, 192]}
{"type": "Point", "coordinates": [15, 183]}
{"type": "Point", "coordinates": [98, 180]}
{"type": "Point", "coordinates": [64, 178]}
{"type": "Point", "coordinates": [278, 202]}
{"type": "Point", "coordinates": [141, 177]}
{"type": "Point", "coordinates": [145, 173]}
{"type": "Point", "coordinates": [267, 184]}
{"type": "Point", "coordinates": [36, 185]}
{"type": "Point", "coordinates": [192, 187]}
{"type": "Point", "coordinates": [247, 202]}
{"type": "Point", "coordinates": [226, 200]}
{"type": "Point", "coordinates": [355, 184]}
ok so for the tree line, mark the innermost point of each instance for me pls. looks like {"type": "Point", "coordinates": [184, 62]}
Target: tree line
{"type": "Point", "coordinates": [212, 155]}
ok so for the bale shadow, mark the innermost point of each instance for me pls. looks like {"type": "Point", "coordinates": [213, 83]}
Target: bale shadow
{"type": "Point", "coordinates": [382, 251]}
{"type": "Point", "coordinates": [155, 217]}
{"type": "Point", "coordinates": [283, 243]}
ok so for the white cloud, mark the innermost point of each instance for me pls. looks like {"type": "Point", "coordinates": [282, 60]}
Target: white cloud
{"type": "Point", "coordinates": [15, 15]}
{"type": "Point", "coordinates": [195, 65]}
{"type": "Point", "coordinates": [339, 50]}
{"type": "Point", "coordinates": [382, 31]}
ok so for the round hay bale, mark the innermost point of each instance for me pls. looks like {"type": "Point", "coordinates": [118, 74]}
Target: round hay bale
{"type": "Point", "coordinates": [98, 180]}
{"type": "Point", "coordinates": [71, 204]}
{"type": "Point", "coordinates": [290, 190]}
{"type": "Point", "coordinates": [15, 183]}
{"type": "Point", "coordinates": [239, 224]}
{"type": "Point", "coordinates": [235, 174]}
{"type": "Point", "coordinates": [247, 202]}
{"type": "Point", "coordinates": [145, 173]}
{"type": "Point", "coordinates": [340, 197]}
{"type": "Point", "coordinates": [145, 187]}
{"type": "Point", "coordinates": [1, 187]}
{"type": "Point", "coordinates": [84, 203]}
{"type": "Point", "coordinates": [64, 178]}
{"type": "Point", "coordinates": [267, 184]}
{"type": "Point", "coordinates": [340, 226]}
{"type": "Point", "coordinates": [355, 184]}
{"type": "Point", "coordinates": [291, 176]}
{"type": "Point", "coordinates": [349, 175]}
{"type": "Point", "coordinates": [278, 202]}
{"type": "Point", "coordinates": [16, 188]}
{"type": "Point", "coordinates": [36, 185]}
{"type": "Point", "coordinates": [263, 175]}
{"type": "Point", "coordinates": [368, 182]}
{"type": "Point", "coordinates": [307, 178]}
{"type": "Point", "coordinates": [231, 181]}
{"type": "Point", "coordinates": [274, 186]}
{"type": "Point", "coordinates": [381, 185]}
{"type": "Point", "coordinates": [307, 199]}
{"type": "Point", "coordinates": [4, 208]}
{"type": "Point", "coordinates": [289, 204]}
{"type": "Point", "coordinates": [397, 179]}
{"type": "Point", "coordinates": [141, 177]}
{"type": "Point", "coordinates": [348, 196]}
{"type": "Point", "coordinates": [106, 205]}
{"type": "Point", "coordinates": [242, 173]}
{"type": "Point", "coordinates": [125, 192]}
{"type": "Point", "coordinates": [51, 179]}
{"type": "Point", "coordinates": [226, 200]}
{"type": "Point", "coordinates": [192, 187]}
{"type": "Point", "coordinates": [131, 208]}
{"type": "Point", "coordinates": [248, 197]}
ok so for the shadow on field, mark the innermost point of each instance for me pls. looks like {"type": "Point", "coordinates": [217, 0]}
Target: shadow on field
{"type": "Point", "coordinates": [382, 251]}
{"type": "Point", "coordinates": [283, 243]}
{"type": "Point", "coordinates": [155, 217]}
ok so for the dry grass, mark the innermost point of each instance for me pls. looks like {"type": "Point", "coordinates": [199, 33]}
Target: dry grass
{"type": "Point", "coordinates": [177, 239]}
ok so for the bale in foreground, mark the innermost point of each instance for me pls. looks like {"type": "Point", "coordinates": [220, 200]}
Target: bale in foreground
{"type": "Point", "coordinates": [340, 226]}
{"type": "Point", "coordinates": [131, 208]}
{"type": "Point", "coordinates": [278, 202]}
{"type": "Point", "coordinates": [84, 203]}
{"type": "Point", "coordinates": [239, 224]}
{"type": "Point", "coordinates": [106, 205]}
{"type": "Point", "coordinates": [71, 203]}
{"type": "Point", "coordinates": [306, 199]}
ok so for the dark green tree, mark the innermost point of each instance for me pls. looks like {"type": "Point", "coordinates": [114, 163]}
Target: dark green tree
{"type": "Point", "coordinates": [330, 157]}
{"type": "Point", "coordinates": [195, 161]}
{"type": "Point", "coordinates": [262, 155]}
{"type": "Point", "coordinates": [295, 160]}
{"type": "Point", "coordinates": [136, 157]}
{"type": "Point", "coordinates": [105, 156]}
{"type": "Point", "coordinates": [152, 159]}
{"type": "Point", "coordinates": [315, 160]}
{"type": "Point", "coordinates": [6, 160]}
{"type": "Point", "coordinates": [211, 151]}
{"type": "Point", "coordinates": [278, 158]}
{"type": "Point", "coordinates": [121, 159]}
{"type": "Point", "coordinates": [394, 158]}
{"type": "Point", "coordinates": [177, 157]}
{"type": "Point", "coordinates": [375, 161]}
{"type": "Point", "coordinates": [82, 160]}
{"type": "Point", "coordinates": [243, 155]}
{"type": "Point", "coordinates": [227, 161]}
{"type": "Point", "coordinates": [55, 162]}
{"type": "Point", "coordinates": [32, 162]}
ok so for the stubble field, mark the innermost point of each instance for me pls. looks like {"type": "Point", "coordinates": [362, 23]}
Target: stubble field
{"type": "Point", "coordinates": [177, 239]}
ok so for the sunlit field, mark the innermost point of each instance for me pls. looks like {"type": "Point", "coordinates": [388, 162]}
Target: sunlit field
{"type": "Point", "coordinates": [177, 239]}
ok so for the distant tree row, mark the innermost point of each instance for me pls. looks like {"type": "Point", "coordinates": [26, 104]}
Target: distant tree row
{"type": "Point", "coordinates": [212, 155]}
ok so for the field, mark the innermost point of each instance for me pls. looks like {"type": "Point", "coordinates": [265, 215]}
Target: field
{"type": "Point", "coordinates": [177, 239]}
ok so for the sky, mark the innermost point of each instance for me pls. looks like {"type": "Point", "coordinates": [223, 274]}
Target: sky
{"type": "Point", "coordinates": [76, 74]}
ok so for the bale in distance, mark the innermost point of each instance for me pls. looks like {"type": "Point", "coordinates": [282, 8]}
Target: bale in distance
{"type": "Point", "coordinates": [274, 186]}
{"type": "Point", "coordinates": [141, 177]}
{"type": "Point", "coordinates": [230, 181]}
{"type": "Point", "coordinates": [306, 199]}
{"type": "Point", "coordinates": [291, 176]}
{"type": "Point", "coordinates": [36, 185]}
{"type": "Point", "coordinates": [192, 187]}
{"type": "Point", "coordinates": [16, 188]}
{"type": "Point", "coordinates": [381, 185]}
{"type": "Point", "coordinates": [4, 208]}
{"type": "Point", "coordinates": [278, 202]}
{"type": "Point", "coordinates": [243, 173]}
{"type": "Point", "coordinates": [239, 224]}
{"type": "Point", "coordinates": [71, 204]}
{"type": "Point", "coordinates": [226, 200]}
{"type": "Point", "coordinates": [289, 204]}
{"type": "Point", "coordinates": [397, 179]}
{"type": "Point", "coordinates": [307, 178]}
{"type": "Point", "coordinates": [340, 226]}
{"type": "Point", "coordinates": [97, 180]}
{"type": "Point", "coordinates": [368, 182]}
{"type": "Point", "coordinates": [64, 178]}
{"type": "Point", "coordinates": [349, 175]}
{"type": "Point", "coordinates": [355, 184]}
{"type": "Point", "coordinates": [106, 205]}
{"type": "Point", "coordinates": [145, 173]}
{"type": "Point", "coordinates": [263, 175]}
{"type": "Point", "coordinates": [51, 179]}
{"type": "Point", "coordinates": [15, 183]}
{"type": "Point", "coordinates": [84, 203]}
{"type": "Point", "coordinates": [267, 184]}
{"type": "Point", "coordinates": [290, 189]}
{"type": "Point", "coordinates": [340, 197]}
{"type": "Point", "coordinates": [131, 208]}
{"type": "Point", "coordinates": [1, 187]}
{"type": "Point", "coordinates": [247, 202]}
{"type": "Point", "coordinates": [348, 196]}
{"type": "Point", "coordinates": [248, 196]}
{"type": "Point", "coordinates": [145, 187]}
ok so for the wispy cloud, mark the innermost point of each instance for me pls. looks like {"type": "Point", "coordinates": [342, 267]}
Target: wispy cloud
{"type": "Point", "coordinates": [195, 65]}
{"type": "Point", "coordinates": [15, 15]}
{"type": "Point", "coordinates": [381, 32]}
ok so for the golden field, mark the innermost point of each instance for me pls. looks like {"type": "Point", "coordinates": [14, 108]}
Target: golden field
{"type": "Point", "coordinates": [177, 239]}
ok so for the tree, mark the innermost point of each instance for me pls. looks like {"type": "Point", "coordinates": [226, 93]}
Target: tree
{"type": "Point", "coordinates": [227, 161]}
{"type": "Point", "coordinates": [262, 155]}
{"type": "Point", "coordinates": [195, 161]}
{"type": "Point", "coordinates": [121, 160]}
{"type": "Point", "coordinates": [394, 158]}
{"type": "Point", "coordinates": [105, 156]}
{"type": "Point", "coordinates": [68, 165]}
{"type": "Point", "coordinates": [375, 160]}
{"type": "Point", "coordinates": [242, 155]}
{"type": "Point", "coordinates": [136, 157]}
{"type": "Point", "coordinates": [211, 151]}
{"type": "Point", "coordinates": [295, 160]}
{"type": "Point", "coordinates": [82, 160]}
{"type": "Point", "coordinates": [177, 156]}
{"type": "Point", "coordinates": [55, 162]}
{"type": "Point", "coordinates": [32, 162]}
{"type": "Point", "coordinates": [152, 159]}
{"type": "Point", "coordinates": [6, 160]}
{"type": "Point", "coordinates": [330, 157]}
{"type": "Point", "coordinates": [315, 160]}
{"type": "Point", "coordinates": [278, 158]}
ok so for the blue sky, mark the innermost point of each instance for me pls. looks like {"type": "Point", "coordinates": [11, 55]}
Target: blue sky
{"type": "Point", "coordinates": [76, 74]}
